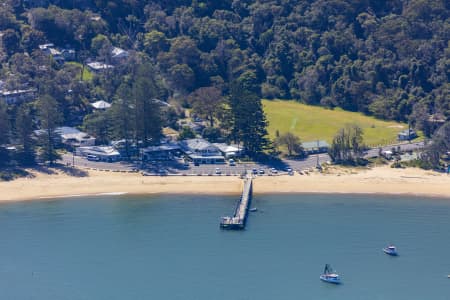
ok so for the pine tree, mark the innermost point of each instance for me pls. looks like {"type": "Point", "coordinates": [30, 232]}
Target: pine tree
{"type": "Point", "coordinates": [122, 114]}
{"type": "Point", "coordinates": [249, 124]}
{"type": "Point", "coordinates": [147, 111]}
{"type": "Point", "coordinates": [50, 117]}
{"type": "Point", "coordinates": [24, 131]}
{"type": "Point", "coordinates": [4, 134]}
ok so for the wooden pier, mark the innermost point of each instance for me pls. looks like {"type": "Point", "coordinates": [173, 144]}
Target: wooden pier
{"type": "Point", "coordinates": [238, 220]}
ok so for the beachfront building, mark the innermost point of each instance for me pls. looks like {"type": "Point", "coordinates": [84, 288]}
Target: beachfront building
{"type": "Point", "coordinates": [18, 96]}
{"type": "Point", "coordinates": [102, 153]}
{"type": "Point", "coordinates": [315, 147]}
{"type": "Point", "coordinates": [229, 151]}
{"type": "Point", "coordinates": [162, 152]}
{"type": "Point", "coordinates": [407, 135]}
{"type": "Point", "coordinates": [201, 151]}
{"type": "Point", "coordinates": [73, 137]}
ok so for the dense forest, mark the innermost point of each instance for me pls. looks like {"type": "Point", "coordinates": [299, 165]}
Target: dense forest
{"type": "Point", "coordinates": [387, 58]}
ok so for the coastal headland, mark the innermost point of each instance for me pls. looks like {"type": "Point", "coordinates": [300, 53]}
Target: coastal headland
{"type": "Point", "coordinates": [378, 180]}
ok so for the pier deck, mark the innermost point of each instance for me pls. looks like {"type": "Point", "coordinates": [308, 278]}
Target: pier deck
{"type": "Point", "coordinates": [238, 220]}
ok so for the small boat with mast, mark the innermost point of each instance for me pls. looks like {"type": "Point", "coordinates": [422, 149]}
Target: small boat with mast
{"type": "Point", "coordinates": [329, 275]}
{"type": "Point", "coordinates": [390, 250]}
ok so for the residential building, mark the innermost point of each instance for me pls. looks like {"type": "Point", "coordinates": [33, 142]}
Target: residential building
{"type": "Point", "coordinates": [101, 105]}
{"type": "Point", "coordinates": [407, 135]}
{"type": "Point", "coordinates": [98, 66]}
{"type": "Point", "coordinates": [103, 153]}
{"type": "Point", "coordinates": [68, 54]}
{"type": "Point", "coordinates": [202, 152]}
{"type": "Point", "coordinates": [119, 55]}
{"type": "Point", "coordinates": [315, 147]}
{"type": "Point", "coordinates": [74, 138]}
{"type": "Point", "coordinates": [18, 96]}
{"type": "Point", "coordinates": [161, 152]}
{"type": "Point", "coordinates": [49, 49]}
{"type": "Point", "coordinates": [229, 151]}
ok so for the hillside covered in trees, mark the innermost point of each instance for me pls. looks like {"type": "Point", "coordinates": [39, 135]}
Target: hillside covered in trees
{"type": "Point", "coordinates": [150, 60]}
{"type": "Point", "coordinates": [386, 58]}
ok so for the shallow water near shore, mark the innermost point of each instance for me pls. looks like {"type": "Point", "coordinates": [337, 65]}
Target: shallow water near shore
{"type": "Point", "coordinates": [171, 247]}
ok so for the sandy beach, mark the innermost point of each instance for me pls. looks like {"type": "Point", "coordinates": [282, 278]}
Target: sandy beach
{"type": "Point", "coordinates": [382, 180]}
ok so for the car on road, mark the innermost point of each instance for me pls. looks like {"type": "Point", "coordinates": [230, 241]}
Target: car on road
{"type": "Point", "coordinates": [92, 157]}
{"type": "Point", "coordinates": [218, 171]}
{"type": "Point", "coordinates": [261, 172]}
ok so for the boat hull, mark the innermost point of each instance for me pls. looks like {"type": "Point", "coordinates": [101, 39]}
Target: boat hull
{"type": "Point", "coordinates": [334, 280]}
{"type": "Point", "coordinates": [390, 252]}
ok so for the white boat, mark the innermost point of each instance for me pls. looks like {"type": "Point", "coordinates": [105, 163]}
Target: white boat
{"type": "Point", "coordinates": [253, 209]}
{"type": "Point", "coordinates": [329, 275]}
{"type": "Point", "coordinates": [390, 250]}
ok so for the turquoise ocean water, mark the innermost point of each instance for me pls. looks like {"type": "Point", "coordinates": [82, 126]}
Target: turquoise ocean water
{"type": "Point", "coordinates": [170, 247]}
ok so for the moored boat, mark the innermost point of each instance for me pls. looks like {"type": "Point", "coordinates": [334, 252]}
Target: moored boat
{"type": "Point", "coordinates": [329, 275]}
{"type": "Point", "coordinates": [390, 250]}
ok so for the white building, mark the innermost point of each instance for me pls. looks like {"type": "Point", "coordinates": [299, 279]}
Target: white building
{"type": "Point", "coordinates": [98, 66]}
{"type": "Point", "coordinates": [73, 137]}
{"type": "Point", "coordinates": [103, 153]}
{"type": "Point", "coordinates": [229, 151]}
{"type": "Point", "coordinates": [101, 105]}
{"type": "Point", "coordinates": [119, 55]}
{"type": "Point", "coordinates": [18, 96]}
{"type": "Point", "coordinates": [202, 151]}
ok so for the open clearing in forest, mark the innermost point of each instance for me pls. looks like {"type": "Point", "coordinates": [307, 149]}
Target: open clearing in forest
{"type": "Point", "coordinates": [312, 123]}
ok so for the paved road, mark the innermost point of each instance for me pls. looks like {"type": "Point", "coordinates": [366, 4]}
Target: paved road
{"type": "Point", "coordinates": [178, 167]}
{"type": "Point", "coordinates": [403, 147]}
{"type": "Point", "coordinates": [82, 162]}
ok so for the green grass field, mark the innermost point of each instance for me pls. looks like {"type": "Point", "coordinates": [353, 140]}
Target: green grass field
{"type": "Point", "coordinates": [312, 123]}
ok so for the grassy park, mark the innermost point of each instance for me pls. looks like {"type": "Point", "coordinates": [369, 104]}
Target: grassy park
{"type": "Point", "coordinates": [312, 123]}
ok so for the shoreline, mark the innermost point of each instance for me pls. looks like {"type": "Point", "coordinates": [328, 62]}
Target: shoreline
{"type": "Point", "coordinates": [376, 181]}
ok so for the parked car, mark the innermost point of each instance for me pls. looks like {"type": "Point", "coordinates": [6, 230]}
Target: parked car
{"type": "Point", "coordinates": [273, 171]}
{"type": "Point", "coordinates": [255, 171]}
{"type": "Point", "coordinates": [218, 171]}
{"type": "Point", "coordinates": [261, 171]}
{"type": "Point", "coordinates": [92, 157]}
{"type": "Point", "coordinates": [232, 162]}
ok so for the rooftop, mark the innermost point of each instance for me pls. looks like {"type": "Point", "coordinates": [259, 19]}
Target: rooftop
{"type": "Point", "coordinates": [118, 52]}
{"type": "Point", "coordinates": [100, 150]}
{"type": "Point", "coordinates": [99, 66]}
{"type": "Point", "coordinates": [101, 105]}
{"type": "Point", "coordinates": [196, 144]}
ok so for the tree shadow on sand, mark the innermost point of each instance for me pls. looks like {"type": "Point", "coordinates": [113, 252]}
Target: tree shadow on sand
{"type": "Point", "coordinates": [59, 168]}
